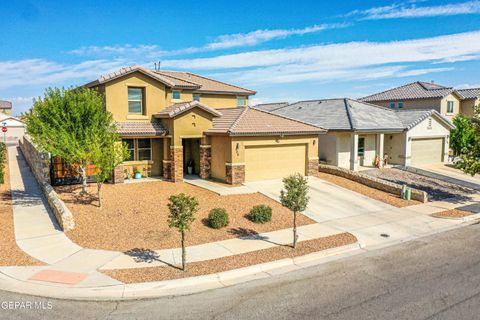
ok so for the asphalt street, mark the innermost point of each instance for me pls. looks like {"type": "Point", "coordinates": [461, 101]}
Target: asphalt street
{"type": "Point", "coordinates": [437, 277]}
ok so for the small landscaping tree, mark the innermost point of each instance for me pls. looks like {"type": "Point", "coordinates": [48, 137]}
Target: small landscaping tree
{"type": "Point", "coordinates": [295, 197]}
{"type": "Point", "coordinates": [182, 207]}
{"type": "Point", "coordinates": [3, 158]}
{"type": "Point", "coordinates": [108, 152]}
{"type": "Point", "coordinates": [462, 138]}
{"type": "Point", "coordinates": [67, 123]}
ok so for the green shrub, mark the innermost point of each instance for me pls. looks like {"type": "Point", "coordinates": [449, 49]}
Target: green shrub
{"type": "Point", "coordinates": [218, 218]}
{"type": "Point", "coordinates": [3, 158]}
{"type": "Point", "coordinates": [260, 214]}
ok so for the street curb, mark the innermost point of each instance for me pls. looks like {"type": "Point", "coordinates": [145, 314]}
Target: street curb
{"type": "Point", "coordinates": [176, 287]}
{"type": "Point", "coordinates": [469, 218]}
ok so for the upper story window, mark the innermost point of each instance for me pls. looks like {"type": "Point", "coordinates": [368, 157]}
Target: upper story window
{"type": "Point", "coordinates": [450, 105]}
{"type": "Point", "coordinates": [241, 101]}
{"type": "Point", "coordinates": [196, 97]}
{"type": "Point", "coordinates": [176, 95]}
{"type": "Point", "coordinates": [135, 100]}
{"type": "Point", "coordinates": [392, 105]}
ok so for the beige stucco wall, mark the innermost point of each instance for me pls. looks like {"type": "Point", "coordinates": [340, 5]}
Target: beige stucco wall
{"type": "Point", "coordinates": [370, 149]}
{"type": "Point", "coordinates": [466, 107]}
{"type": "Point", "coordinates": [343, 149]}
{"type": "Point", "coordinates": [191, 124]}
{"type": "Point", "coordinates": [394, 147]}
{"type": "Point", "coordinates": [456, 106]}
{"type": "Point", "coordinates": [327, 148]}
{"type": "Point", "coordinates": [221, 154]}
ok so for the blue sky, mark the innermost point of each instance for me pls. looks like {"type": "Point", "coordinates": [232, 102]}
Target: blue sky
{"type": "Point", "coordinates": [286, 50]}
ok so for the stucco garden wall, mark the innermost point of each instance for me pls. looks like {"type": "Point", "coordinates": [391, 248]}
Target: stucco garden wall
{"type": "Point", "coordinates": [39, 163]}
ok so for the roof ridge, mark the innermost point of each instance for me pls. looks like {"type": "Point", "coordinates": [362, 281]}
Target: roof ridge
{"type": "Point", "coordinates": [169, 76]}
{"type": "Point", "coordinates": [228, 84]}
{"type": "Point", "coordinates": [433, 83]}
{"type": "Point", "coordinates": [234, 124]}
{"type": "Point", "coordinates": [384, 91]}
{"type": "Point", "coordinates": [371, 104]}
{"type": "Point", "coordinates": [288, 118]}
{"type": "Point", "coordinates": [349, 114]}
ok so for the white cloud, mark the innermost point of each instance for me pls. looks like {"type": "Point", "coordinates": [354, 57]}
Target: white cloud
{"type": "Point", "coordinates": [30, 72]}
{"type": "Point", "coordinates": [120, 50]}
{"type": "Point", "coordinates": [355, 60]}
{"type": "Point", "coordinates": [259, 36]}
{"type": "Point", "coordinates": [409, 10]}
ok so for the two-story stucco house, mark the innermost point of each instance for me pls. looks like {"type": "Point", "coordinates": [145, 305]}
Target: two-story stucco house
{"type": "Point", "coordinates": [175, 122]}
{"type": "Point", "coordinates": [425, 95]}
{"type": "Point", "coordinates": [6, 107]}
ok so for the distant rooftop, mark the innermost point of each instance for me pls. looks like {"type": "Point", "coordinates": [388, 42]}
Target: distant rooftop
{"type": "Point", "coordinates": [411, 91]}
{"type": "Point", "coordinates": [5, 104]}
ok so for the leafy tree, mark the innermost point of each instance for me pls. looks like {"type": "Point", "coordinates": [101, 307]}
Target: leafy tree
{"type": "Point", "coordinates": [462, 138]}
{"type": "Point", "coordinates": [108, 152]}
{"type": "Point", "coordinates": [67, 123]}
{"type": "Point", "coordinates": [470, 161]}
{"type": "Point", "coordinates": [295, 197]}
{"type": "Point", "coordinates": [182, 207]}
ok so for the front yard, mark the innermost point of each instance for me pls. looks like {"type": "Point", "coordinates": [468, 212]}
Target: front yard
{"type": "Point", "coordinates": [134, 216]}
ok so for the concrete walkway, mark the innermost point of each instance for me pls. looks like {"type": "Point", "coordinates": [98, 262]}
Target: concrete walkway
{"type": "Point", "coordinates": [219, 188]}
{"type": "Point", "coordinates": [335, 209]}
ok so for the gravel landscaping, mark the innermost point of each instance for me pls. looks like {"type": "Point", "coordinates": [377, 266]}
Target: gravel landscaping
{"type": "Point", "coordinates": [134, 216]}
{"type": "Point", "coordinates": [232, 262]}
{"type": "Point", "coordinates": [373, 193]}
{"type": "Point", "coordinates": [436, 189]}
{"type": "Point", "coordinates": [453, 214]}
{"type": "Point", "coordinates": [10, 253]}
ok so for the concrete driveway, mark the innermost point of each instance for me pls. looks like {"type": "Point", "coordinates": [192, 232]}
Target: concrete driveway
{"type": "Point", "coordinates": [327, 201]}
{"type": "Point", "coordinates": [448, 173]}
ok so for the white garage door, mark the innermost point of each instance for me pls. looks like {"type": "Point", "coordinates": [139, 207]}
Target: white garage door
{"type": "Point", "coordinates": [274, 162]}
{"type": "Point", "coordinates": [425, 151]}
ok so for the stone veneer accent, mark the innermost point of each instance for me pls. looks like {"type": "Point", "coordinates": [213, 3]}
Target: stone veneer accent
{"type": "Point", "coordinates": [235, 173]}
{"type": "Point", "coordinates": [39, 163]}
{"type": "Point", "coordinates": [118, 175]}
{"type": "Point", "coordinates": [176, 167]}
{"type": "Point", "coordinates": [312, 167]}
{"type": "Point", "coordinates": [205, 161]}
{"type": "Point", "coordinates": [372, 182]}
{"type": "Point", "coordinates": [167, 169]}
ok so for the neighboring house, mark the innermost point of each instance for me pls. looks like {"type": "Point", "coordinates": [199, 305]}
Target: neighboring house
{"type": "Point", "coordinates": [423, 95]}
{"type": "Point", "coordinates": [6, 107]}
{"type": "Point", "coordinates": [271, 106]}
{"type": "Point", "coordinates": [175, 120]}
{"type": "Point", "coordinates": [358, 132]}
{"type": "Point", "coordinates": [470, 99]}
{"type": "Point", "coordinates": [15, 129]}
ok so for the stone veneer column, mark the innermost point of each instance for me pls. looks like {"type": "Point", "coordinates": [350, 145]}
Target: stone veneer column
{"type": "Point", "coordinates": [176, 166]}
{"type": "Point", "coordinates": [205, 161]}
{"type": "Point", "coordinates": [167, 169]}
{"type": "Point", "coordinates": [235, 173]}
{"type": "Point", "coordinates": [312, 166]}
{"type": "Point", "coordinates": [118, 175]}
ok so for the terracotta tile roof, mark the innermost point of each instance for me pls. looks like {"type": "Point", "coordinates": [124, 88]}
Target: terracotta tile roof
{"type": "Point", "coordinates": [411, 91]}
{"type": "Point", "coordinates": [5, 104]}
{"type": "Point", "coordinates": [147, 129]}
{"type": "Point", "coordinates": [178, 80]}
{"type": "Point", "coordinates": [179, 108]}
{"type": "Point", "coordinates": [253, 122]}
{"type": "Point", "coordinates": [205, 84]}
{"type": "Point", "coordinates": [472, 93]}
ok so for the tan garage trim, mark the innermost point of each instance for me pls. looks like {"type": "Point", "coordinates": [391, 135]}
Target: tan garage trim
{"type": "Point", "coordinates": [425, 151]}
{"type": "Point", "coordinates": [274, 162]}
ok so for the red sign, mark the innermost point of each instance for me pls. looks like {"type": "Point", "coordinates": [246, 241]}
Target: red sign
{"type": "Point", "coordinates": [4, 129]}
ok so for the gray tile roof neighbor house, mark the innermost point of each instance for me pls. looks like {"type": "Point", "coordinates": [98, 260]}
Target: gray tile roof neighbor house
{"type": "Point", "coordinates": [411, 91]}
{"type": "Point", "coordinates": [5, 104]}
{"type": "Point", "coordinates": [353, 115]}
{"type": "Point", "coordinates": [271, 106]}
{"type": "Point", "coordinates": [472, 93]}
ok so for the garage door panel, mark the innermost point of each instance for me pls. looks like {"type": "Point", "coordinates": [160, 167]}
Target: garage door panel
{"type": "Point", "coordinates": [274, 162]}
{"type": "Point", "coordinates": [425, 151]}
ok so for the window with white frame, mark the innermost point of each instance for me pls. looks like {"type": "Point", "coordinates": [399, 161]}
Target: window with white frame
{"type": "Point", "coordinates": [135, 100]}
{"type": "Point", "coordinates": [176, 94]}
{"type": "Point", "coordinates": [196, 97]}
{"type": "Point", "coordinates": [241, 101]}
{"type": "Point", "coordinates": [450, 106]}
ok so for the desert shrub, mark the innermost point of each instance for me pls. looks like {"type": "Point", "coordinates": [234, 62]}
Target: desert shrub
{"type": "Point", "coordinates": [3, 158]}
{"type": "Point", "coordinates": [218, 218]}
{"type": "Point", "coordinates": [260, 214]}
